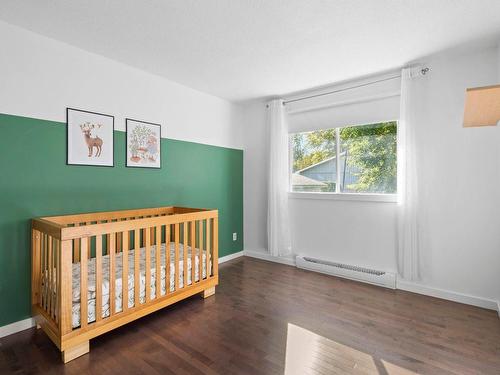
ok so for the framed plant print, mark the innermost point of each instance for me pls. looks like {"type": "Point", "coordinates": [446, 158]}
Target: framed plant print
{"type": "Point", "coordinates": [90, 138]}
{"type": "Point", "coordinates": [143, 144]}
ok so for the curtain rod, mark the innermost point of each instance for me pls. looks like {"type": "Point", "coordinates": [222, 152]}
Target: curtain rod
{"type": "Point", "coordinates": [423, 71]}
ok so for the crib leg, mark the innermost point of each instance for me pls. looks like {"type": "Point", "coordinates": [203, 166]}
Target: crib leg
{"type": "Point", "coordinates": [208, 292]}
{"type": "Point", "coordinates": [75, 352]}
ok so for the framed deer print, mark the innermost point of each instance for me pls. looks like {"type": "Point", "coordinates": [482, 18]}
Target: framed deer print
{"type": "Point", "coordinates": [143, 144]}
{"type": "Point", "coordinates": [90, 138]}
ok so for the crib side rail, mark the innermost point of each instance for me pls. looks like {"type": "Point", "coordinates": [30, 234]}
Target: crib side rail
{"type": "Point", "coordinates": [105, 216]}
{"type": "Point", "coordinates": [101, 228]}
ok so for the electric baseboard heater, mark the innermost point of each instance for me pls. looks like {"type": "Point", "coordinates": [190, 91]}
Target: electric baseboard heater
{"type": "Point", "coordinates": [367, 275]}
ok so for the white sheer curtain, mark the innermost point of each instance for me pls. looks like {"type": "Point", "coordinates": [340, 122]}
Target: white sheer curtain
{"type": "Point", "coordinates": [408, 216]}
{"type": "Point", "coordinates": [278, 227]}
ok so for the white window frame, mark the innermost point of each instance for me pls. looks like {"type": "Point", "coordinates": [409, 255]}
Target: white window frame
{"type": "Point", "coordinates": [337, 195]}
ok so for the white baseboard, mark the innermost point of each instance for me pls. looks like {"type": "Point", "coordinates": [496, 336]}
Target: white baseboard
{"type": "Point", "coordinates": [449, 295]}
{"type": "Point", "coordinates": [15, 327]}
{"type": "Point", "coordinates": [264, 255]}
{"type": "Point", "coordinates": [231, 256]}
{"type": "Point", "coordinates": [259, 254]}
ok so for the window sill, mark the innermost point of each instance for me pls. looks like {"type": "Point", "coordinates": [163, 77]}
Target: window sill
{"type": "Point", "coordinates": [383, 198]}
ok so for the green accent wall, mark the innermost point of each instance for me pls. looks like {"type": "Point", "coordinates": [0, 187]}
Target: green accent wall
{"type": "Point", "coordinates": [35, 181]}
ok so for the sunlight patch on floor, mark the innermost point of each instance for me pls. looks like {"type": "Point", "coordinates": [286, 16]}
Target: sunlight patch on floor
{"type": "Point", "coordinates": [310, 353]}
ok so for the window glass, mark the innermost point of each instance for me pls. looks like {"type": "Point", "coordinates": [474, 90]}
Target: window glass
{"type": "Point", "coordinates": [367, 159]}
{"type": "Point", "coordinates": [314, 164]}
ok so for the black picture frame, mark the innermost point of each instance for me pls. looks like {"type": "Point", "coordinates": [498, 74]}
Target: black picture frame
{"type": "Point", "coordinates": [127, 139]}
{"type": "Point", "coordinates": [68, 109]}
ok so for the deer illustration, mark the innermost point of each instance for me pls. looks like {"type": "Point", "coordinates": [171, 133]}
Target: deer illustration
{"type": "Point", "coordinates": [91, 142]}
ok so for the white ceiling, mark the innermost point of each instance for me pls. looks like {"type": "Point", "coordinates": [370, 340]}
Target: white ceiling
{"type": "Point", "coordinates": [243, 49]}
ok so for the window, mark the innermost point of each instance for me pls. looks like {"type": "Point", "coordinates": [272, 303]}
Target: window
{"type": "Point", "coordinates": [366, 161]}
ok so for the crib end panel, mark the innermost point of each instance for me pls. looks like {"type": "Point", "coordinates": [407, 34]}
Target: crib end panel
{"type": "Point", "coordinates": [215, 246]}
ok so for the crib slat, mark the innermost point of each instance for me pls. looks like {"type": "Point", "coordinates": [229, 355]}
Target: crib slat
{"type": "Point", "coordinates": [52, 310]}
{"type": "Point", "coordinates": [147, 274]}
{"type": "Point", "coordinates": [53, 293]}
{"type": "Point", "coordinates": [185, 254]}
{"type": "Point", "coordinates": [47, 281]}
{"type": "Point", "coordinates": [167, 258]}
{"type": "Point", "coordinates": [215, 249]}
{"type": "Point", "coordinates": [42, 268]}
{"type": "Point", "coordinates": [98, 278]}
{"type": "Point", "coordinates": [83, 283]}
{"type": "Point", "coordinates": [49, 276]}
{"type": "Point", "coordinates": [43, 250]}
{"type": "Point", "coordinates": [58, 279]}
{"type": "Point", "coordinates": [112, 275]}
{"type": "Point", "coordinates": [200, 255]}
{"type": "Point", "coordinates": [35, 256]}
{"type": "Point", "coordinates": [39, 269]}
{"type": "Point", "coordinates": [136, 267]}
{"type": "Point", "coordinates": [193, 240]}
{"type": "Point", "coordinates": [125, 247]}
{"type": "Point", "coordinates": [65, 322]}
{"type": "Point", "coordinates": [55, 278]}
{"type": "Point", "coordinates": [158, 260]}
{"type": "Point", "coordinates": [46, 270]}
{"type": "Point", "coordinates": [209, 248]}
{"type": "Point", "coordinates": [176, 258]}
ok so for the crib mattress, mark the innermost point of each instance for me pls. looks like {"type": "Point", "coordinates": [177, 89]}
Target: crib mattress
{"type": "Point", "coordinates": [91, 296]}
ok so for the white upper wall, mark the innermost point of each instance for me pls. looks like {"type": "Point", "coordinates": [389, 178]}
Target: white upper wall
{"type": "Point", "coordinates": [40, 77]}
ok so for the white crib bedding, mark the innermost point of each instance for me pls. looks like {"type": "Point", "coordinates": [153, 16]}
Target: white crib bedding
{"type": "Point", "coordinates": [91, 296]}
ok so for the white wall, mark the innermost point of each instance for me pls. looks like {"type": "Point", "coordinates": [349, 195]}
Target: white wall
{"type": "Point", "coordinates": [40, 77]}
{"type": "Point", "coordinates": [360, 233]}
{"type": "Point", "coordinates": [498, 62]}
{"type": "Point", "coordinates": [460, 176]}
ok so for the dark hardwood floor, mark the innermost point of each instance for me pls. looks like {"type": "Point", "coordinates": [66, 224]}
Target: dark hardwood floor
{"type": "Point", "coordinates": [265, 317]}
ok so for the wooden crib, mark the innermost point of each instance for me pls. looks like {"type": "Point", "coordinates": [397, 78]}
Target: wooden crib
{"type": "Point", "coordinates": [79, 262]}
